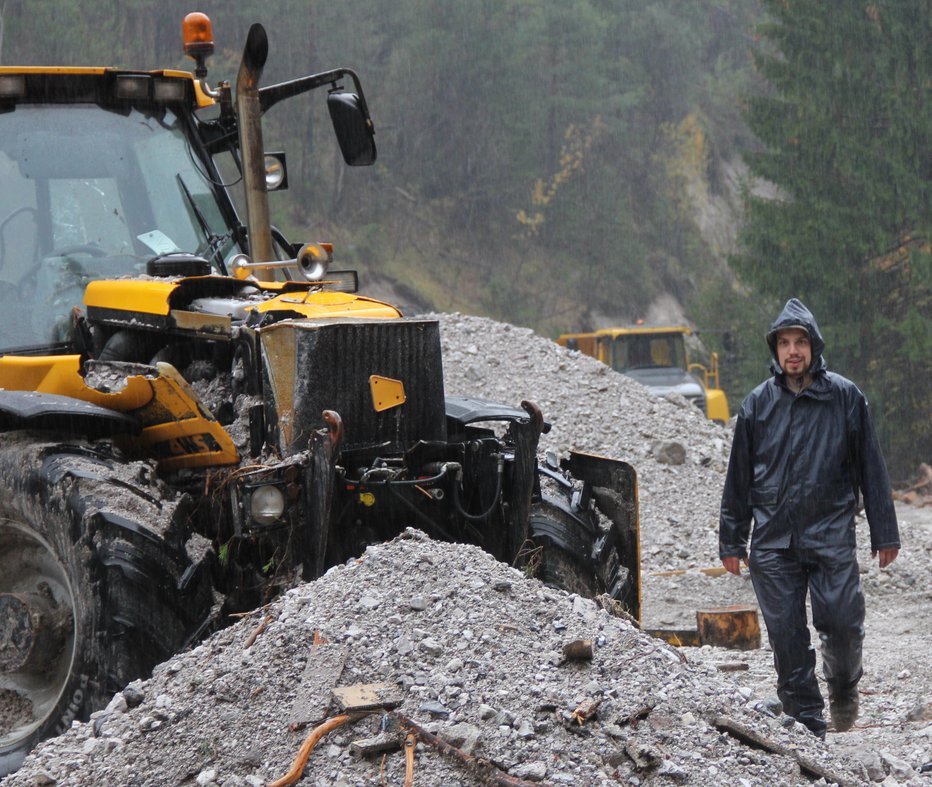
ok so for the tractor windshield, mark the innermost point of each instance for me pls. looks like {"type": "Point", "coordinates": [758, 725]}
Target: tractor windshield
{"type": "Point", "coordinates": [87, 193]}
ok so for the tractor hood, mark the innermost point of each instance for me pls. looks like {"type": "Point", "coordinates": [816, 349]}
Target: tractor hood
{"type": "Point", "coordinates": [212, 305]}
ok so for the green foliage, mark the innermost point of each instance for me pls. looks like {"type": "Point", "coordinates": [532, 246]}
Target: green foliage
{"type": "Point", "coordinates": [846, 140]}
{"type": "Point", "coordinates": [477, 105]}
{"type": "Point", "coordinates": [548, 163]}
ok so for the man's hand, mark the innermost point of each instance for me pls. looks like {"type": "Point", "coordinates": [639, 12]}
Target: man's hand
{"type": "Point", "coordinates": [733, 565]}
{"type": "Point", "coordinates": [887, 556]}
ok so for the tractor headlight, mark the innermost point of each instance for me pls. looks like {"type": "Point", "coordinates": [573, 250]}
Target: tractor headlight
{"type": "Point", "coordinates": [266, 504]}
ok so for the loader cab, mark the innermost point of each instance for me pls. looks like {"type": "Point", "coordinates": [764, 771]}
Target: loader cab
{"type": "Point", "coordinates": [643, 351]}
{"type": "Point", "coordinates": [657, 359]}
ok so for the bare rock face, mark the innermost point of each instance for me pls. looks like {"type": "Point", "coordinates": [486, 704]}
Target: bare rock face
{"type": "Point", "coordinates": [473, 652]}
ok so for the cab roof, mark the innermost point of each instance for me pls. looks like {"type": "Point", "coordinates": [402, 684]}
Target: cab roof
{"type": "Point", "coordinates": [81, 84]}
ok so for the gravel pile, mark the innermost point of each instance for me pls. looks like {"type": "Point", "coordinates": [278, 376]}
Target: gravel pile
{"type": "Point", "coordinates": [473, 651]}
{"type": "Point", "coordinates": [592, 408]}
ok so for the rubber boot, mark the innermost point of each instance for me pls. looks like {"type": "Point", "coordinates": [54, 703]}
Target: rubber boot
{"type": "Point", "coordinates": [843, 705]}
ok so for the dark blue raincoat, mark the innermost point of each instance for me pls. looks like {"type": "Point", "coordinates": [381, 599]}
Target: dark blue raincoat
{"type": "Point", "coordinates": [798, 463]}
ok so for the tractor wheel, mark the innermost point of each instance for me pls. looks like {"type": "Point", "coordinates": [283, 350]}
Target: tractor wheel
{"type": "Point", "coordinates": [97, 586]}
{"type": "Point", "coordinates": [562, 549]}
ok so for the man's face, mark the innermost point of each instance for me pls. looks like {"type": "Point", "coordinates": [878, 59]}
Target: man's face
{"type": "Point", "coordinates": [794, 353]}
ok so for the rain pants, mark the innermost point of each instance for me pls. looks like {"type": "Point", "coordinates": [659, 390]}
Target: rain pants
{"type": "Point", "coordinates": [798, 463]}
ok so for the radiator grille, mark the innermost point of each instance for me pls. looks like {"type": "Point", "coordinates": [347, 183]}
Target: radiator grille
{"type": "Point", "coordinates": [332, 364]}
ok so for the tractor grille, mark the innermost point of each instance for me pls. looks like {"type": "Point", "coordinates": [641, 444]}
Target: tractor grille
{"type": "Point", "coordinates": [317, 366]}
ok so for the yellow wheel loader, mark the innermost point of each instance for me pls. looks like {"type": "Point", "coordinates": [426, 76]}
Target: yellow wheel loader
{"type": "Point", "coordinates": [656, 357]}
{"type": "Point", "coordinates": [196, 412]}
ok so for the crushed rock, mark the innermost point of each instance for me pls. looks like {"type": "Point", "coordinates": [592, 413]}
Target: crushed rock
{"type": "Point", "coordinates": [475, 647]}
{"type": "Point", "coordinates": [485, 652]}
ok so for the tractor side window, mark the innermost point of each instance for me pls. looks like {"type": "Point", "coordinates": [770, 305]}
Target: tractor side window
{"type": "Point", "coordinates": [19, 239]}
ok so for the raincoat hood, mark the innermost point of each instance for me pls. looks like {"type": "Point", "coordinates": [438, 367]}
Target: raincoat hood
{"type": "Point", "coordinates": [796, 315]}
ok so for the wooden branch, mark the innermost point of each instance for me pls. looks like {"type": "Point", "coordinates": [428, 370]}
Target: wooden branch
{"type": "Point", "coordinates": [410, 743]}
{"type": "Point", "coordinates": [482, 769]}
{"type": "Point", "coordinates": [300, 761]}
{"type": "Point", "coordinates": [250, 640]}
{"type": "Point", "coordinates": [749, 737]}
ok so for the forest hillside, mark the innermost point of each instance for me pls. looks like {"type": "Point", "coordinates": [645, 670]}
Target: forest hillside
{"type": "Point", "coordinates": [561, 166]}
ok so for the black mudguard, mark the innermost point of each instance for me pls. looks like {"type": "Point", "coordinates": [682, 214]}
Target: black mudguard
{"type": "Point", "coordinates": [468, 410]}
{"type": "Point", "coordinates": [47, 411]}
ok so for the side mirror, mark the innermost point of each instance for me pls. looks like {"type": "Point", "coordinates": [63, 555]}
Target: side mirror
{"type": "Point", "coordinates": [353, 129]}
{"type": "Point", "coordinates": [276, 172]}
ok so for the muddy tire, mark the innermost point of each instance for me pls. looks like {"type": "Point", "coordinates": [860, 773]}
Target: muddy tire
{"type": "Point", "coordinates": [561, 549]}
{"type": "Point", "coordinates": [98, 584]}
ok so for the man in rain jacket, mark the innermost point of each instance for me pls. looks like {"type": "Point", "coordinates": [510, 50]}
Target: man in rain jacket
{"type": "Point", "coordinates": [804, 447]}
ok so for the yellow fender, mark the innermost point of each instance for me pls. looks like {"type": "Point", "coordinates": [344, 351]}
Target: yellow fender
{"type": "Point", "coordinates": [177, 428]}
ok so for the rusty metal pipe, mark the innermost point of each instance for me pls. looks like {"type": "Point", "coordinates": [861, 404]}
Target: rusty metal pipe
{"type": "Point", "coordinates": [252, 151]}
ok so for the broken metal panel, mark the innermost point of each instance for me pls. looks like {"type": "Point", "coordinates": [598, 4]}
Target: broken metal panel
{"type": "Point", "coordinates": [178, 429]}
{"type": "Point", "coordinates": [61, 374]}
{"type": "Point", "coordinates": [202, 324]}
{"type": "Point", "coordinates": [278, 367]}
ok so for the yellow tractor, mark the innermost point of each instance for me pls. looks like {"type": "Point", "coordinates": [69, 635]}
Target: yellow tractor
{"type": "Point", "coordinates": [657, 358]}
{"type": "Point", "coordinates": [197, 412]}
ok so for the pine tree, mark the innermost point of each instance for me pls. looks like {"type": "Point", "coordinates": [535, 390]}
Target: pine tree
{"type": "Point", "coordinates": [846, 151]}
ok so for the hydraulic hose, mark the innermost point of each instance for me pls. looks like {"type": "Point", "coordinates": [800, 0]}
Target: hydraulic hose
{"type": "Point", "coordinates": [392, 486]}
{"type": "Point", "coordinates": [458, 505]}
{"type": "Point", "coordinates": [444, 469]}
